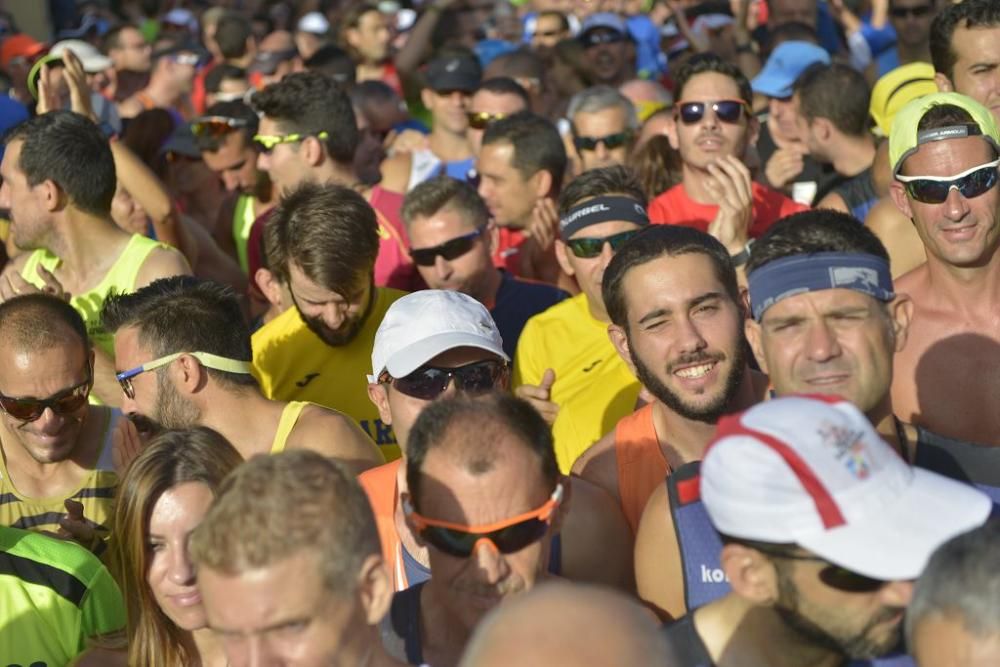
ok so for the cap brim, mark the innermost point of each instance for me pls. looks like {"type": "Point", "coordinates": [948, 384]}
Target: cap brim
{"type": "Point", "coordinates": [412, 357]}
{"type": "Point", "coordinates": [464, 84]}
{"type": "Point", "coordinates": [895, 543]}
{"type": "Point", "coordinates": [772, 85]}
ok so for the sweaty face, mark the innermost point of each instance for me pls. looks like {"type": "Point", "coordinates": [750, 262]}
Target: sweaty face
{"type": "Point", "coordinates": [834, 341]}
{"type": "Point", "coordinates": [235, 162]}
{"type": "Point", "coordinates": [41, 374]}
{"type": "Point", "coordinates": [958, 231]}
{"type": "Point", "coordinates": [857, 625]}
{"type": "Point", "coordinates": [285, 164]}
{"type": "Point", "coordinates": [170, 575]}
{"type": "Point", "coordinates": [471, 587]}
{"type": "Point", "coordinates": [29, 219]}
{"type": "Point", "coordinates": [705, 141]}
{"type": "Point", "coordinates": [509, 196]}
{"type": "Point", "coordinates": [607, 61]}
{"type": "Point", "coordinates": [486, 101]}
{"type": "Point", "coordinates": [336, 318]}
{"type": "Point", "coordinates": [589, 271]}
{"type": "Point", "coordinates": [977, 65]}
{"type": "Point", "coordinates": [284, 614]}
{"type": "Point", "coordinates": [944, 641]}
{"type": "Point", "coordinates": [470, 273]}
{"type": "Point", "coordinates": [598, 124]}
{"type": "Point", "coordinates": [685, 335]}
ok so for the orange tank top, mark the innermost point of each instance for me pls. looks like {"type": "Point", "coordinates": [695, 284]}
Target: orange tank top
{"type": "Point", "coordinates": [380, 485]}
{"type": "Point", "coordinates": [641, 465]}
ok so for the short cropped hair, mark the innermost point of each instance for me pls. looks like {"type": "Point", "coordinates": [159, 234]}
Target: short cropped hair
{"type": "Point", "coordinates": [41, 322]}
{"type": "Point", "coordinates": [599, 98]}
{"type": "Point", "coordinates": [709, 62]}
{"type": "Point", "coordinates": [185, 314]}
{"type": "Point", "coordinates": [275, 507]}
{"type": "Point", "coordinates": [504, 85]}
{"type": "Point", "coordinates": [657, 241]}
{"type": "Point", "coordinates": [536, 142]}
{"type": "Point", "coordinates": [482, 425]}
{"type": "Point", "coordinates": [328, 231]}
{"type": "Point", "coordinates": [309, 103]}
{"type": "Point", "coordinates": [443, 192]}
{"type": "Point", "coordinates": [968, 15]}
{"type": "Point", "coordinates": [613, 180]}
{"type": "Point", "coordinates": [56, 146]}
{"type": "Point", "coordinates": [838, 93]}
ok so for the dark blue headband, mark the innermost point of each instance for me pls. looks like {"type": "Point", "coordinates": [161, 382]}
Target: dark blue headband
{"type": "Point", "coordinates": [798, 274]}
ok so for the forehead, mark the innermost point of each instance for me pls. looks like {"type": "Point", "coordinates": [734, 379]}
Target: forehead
{"type": "Point", "coordinates": [11, 157]}
{"type": "Point", "coordinates": [446, 218]}
{"type": "Point", "coordinates": [269, 125]}
{"type": "Point", "coordinates": [671, 279]}
{"type": "Point", "coordinates": [492, 102]}
{"type": "Point", "coordinates": [819, 302]}
{"type": "Point", "coordinates": [980, 44]}
{"type": "Point", "coordinates": [371, 19]}
{"type": "Point", "coordinates": [497, 155]}
{"type": "Point", "coordinates": [710, 86]}
{"type": "Point", "coordinates": [305, 286]}
{"type": "Point", "coordinates": [611, 116]}
{"type": "Point", "coordinates": [948, 157]}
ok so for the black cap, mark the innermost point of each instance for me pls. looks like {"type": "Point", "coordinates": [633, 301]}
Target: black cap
{"type": "Point", "coordinates": [454, 73]}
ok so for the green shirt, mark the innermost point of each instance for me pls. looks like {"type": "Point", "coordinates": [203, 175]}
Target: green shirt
{"type": "Point", "coordinates": [54, 595]}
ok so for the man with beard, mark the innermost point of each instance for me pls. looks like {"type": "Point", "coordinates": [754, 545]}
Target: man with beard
{"type": "Point", "coordinates": [608, 50]}
{"type": "Point", "coordinates": [326, 242]}
{"type": "Point", "coordinates": [677, 321]}
{"type": "Point", "coordinates": [824, 529]}
{"type": "Point", "coordinates": [184, 360]}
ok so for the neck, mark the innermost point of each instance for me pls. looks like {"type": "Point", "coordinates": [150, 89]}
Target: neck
{"type": "Point", "coordinates": [971, 289]}
{"type": "Point", "coordinates": [162, 91]}
{"type": "Point", "coordinates": [78, 238]}
{"type": "Point", "coordinates": [488, 290]}
{"type": "Point", "coordinates": [336, 174]}
{"type": "Point", "coordinates": [444, 634]}
{"type": "Point", "coordinates": [911, 54]}
{"type": "Point", "coordinates": [448, 146]}
{"type": "Point", "coordinates": [598, 311]}
{"type": "Point", "coordinates": [241, 416]}
{"type": "Point", "coordinates": [854, 156]}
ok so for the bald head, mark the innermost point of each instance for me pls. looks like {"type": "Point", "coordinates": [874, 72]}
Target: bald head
{"type": "Point", "coordinates": [553, 626]}
{"type": "Point", "coordinates": [40, 322]}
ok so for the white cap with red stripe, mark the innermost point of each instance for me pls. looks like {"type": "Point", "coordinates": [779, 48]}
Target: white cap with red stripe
{"type": "Point", "coordinates": [811, 470]}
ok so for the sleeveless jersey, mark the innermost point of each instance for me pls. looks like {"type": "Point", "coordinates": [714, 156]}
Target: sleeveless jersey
{"type": "Point", "coordinates": [641, 465]}
{"type": "Point", "coordinates": [120, 278]}
{"type": "Point", "coordinates": [289, 417]}
{"type": "Point", "coordinates": [243, 219]}
{"type": "Point", "coordinates": [424, 165]}
{"type": "Point", "coordinates": [96, 492]}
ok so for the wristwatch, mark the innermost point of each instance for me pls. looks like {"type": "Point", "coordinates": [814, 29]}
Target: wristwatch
{"type": "Point", "coordinates": [743, 256]}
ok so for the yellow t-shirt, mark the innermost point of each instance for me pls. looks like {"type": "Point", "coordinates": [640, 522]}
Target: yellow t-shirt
{"type": "Point", "coordinates": [594, 387]}
{"type": "Point", "coordinates": [291, 363]}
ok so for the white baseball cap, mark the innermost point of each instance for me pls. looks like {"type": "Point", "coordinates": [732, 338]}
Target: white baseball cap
{"type": "Point", "coordinates": [93, 61]}
{"type": "Point", "coordinates": [315, 23]}
{"type": "Point", "coordinates": [811, 470]}
{"type": "Point", "coordinates": [422, 325]}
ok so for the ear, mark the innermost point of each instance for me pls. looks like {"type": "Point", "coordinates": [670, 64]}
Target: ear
{"type": "Point", "coordinates": [754, 336]}
{"type": "Point", "coordinates": [823, 128]}
{"type": "Point", "coordinates": [492, 237]}
{"type": "Point", "coordinates": [351, 37]}
{"type": "Point", "coordinates": [671, 132]}
{"type": "Point", "coordinates": [753, 131]}
{"type": "Point", "coordinates": [375, 589]}
{"type": "Point", "coordinates": [315, 152]}
{"type": "Point", "coordinates": [944, 84]}
{"type": "Point", "coordinates": [901, 312]}
{"type": "Point", "coordinates": [563, 258]}
{"type": "Point", "coordinates": [750, 574]}
{"type": "Point", "coordinates": [541, 183]}
{"type": "Point", "coordinates": [563, 510]}
{"type": "Point", "coordinates": [53, 196]}
{"type": "Point", "coordinates": [270, 286]}
{"type": "Point", "coordinates": [900, 198]}
{"type": "Point", "coordinates": [619, 338]}
{"type": "Point", "coordinates": [378, 394]}
{"type": "Point", "coordinates": [189, 376]}
{"type": "Point", "coordinates": [427, 97]}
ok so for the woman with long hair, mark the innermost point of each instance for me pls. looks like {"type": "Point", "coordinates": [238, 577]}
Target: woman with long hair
{"type": "Point", "coordinates": [162, 497]}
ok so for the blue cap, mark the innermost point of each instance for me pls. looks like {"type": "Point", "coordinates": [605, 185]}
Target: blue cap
{"type": "Point", "coordinates": [786, 64]}
{"type": "Point", "coordinates": [608, 20]}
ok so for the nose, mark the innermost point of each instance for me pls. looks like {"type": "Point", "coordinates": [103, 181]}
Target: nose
{"type": "Point", "coordinates": [710, 119]}
{"type": "Point", "coordinates": [607, 253]}
{"type": "Point", "coordinates": [689, 337]}
{"type": "Point", "coordinates": [442, 267]}
{"type": "Point", "coordinates": [181, 571]}
{"type": "Point", "coordinates": [334, 316]}
{"type": "Point", "coordinates": [822, 344]}
{"type": "Point", "coordinates": [897, 593]}
{"type": "Point", "coordinates": [490, 562]}
{"type": "Point", "coordinates": [956, 205]}
{"type": "Point", "coordinates": [231, 181]}
{"type": "Point", "coordinates": [601, 151]}
{"type": "Point", "coordinates": [263, 161]}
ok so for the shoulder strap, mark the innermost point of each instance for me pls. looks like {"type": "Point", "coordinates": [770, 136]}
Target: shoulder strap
{"type": "Point", "coordinates": [289, 416]}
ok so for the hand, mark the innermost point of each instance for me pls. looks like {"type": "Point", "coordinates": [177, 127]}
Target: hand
{"type": "Point", "coordinates": [540, 396]}
{"type": "Point", "coordinates": [730, 185]}
{"type": "Point", "coordinates": [48, 90]}
{"type": "Point", "coordinates": [126, 443]}
{"type": "Point", "coordinates": [79, 91]}
{"type": "Point", "coordinates": [75, 527]}
{"type": "Point", "coordinates": [12, 284]}
{"type": "Point", "coordinates": [785, 164]}
{"type": "Point", "coordinates": [544, 222]}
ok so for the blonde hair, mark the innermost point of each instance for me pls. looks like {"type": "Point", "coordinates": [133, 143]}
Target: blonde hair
{"type": "Point", "coordinates": [171, 458]}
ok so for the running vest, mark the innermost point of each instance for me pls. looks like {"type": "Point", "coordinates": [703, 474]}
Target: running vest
{"type": "Point", "coordinates": [120, 277]}
{"type": "Point", "coordinates": [641, 465]}
{"type": "Point", "coordinates": [96, 492]}
{"type": "Point", "coordinates": [289, 417]}
{"type": "Point", "coordinates": [424, 165]}
{"type": "Point", "coordinates": [243, 219]}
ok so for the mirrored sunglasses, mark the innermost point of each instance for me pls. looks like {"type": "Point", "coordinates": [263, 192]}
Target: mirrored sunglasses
{"type": "Point", "coordinates": [728, 111]}
{"type": "Point", "coordinates": [64, 402]}
{"type": "Point", "coordinates": [587, 248]}
{"type": "Point", "coordinates": [479, 120]}
{"type": "Point", "coordinates": [429, 382]}
{"type": "Point", "coordinates": [611, 141]}
{"type": "Point", "coordinates": [970, 183]}
{"type": "Point", "coordinates": [215, 126]}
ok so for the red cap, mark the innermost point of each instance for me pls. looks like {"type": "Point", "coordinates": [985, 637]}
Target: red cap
{"type": "Point", "coordinates": [19, 45]}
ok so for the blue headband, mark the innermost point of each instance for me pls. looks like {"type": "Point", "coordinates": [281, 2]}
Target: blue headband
{"type": "Point", "coordinates": [798, 274]}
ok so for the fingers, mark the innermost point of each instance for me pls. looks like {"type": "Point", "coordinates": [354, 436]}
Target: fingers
{"type": "Point", "coordinates": [74, 508]}
{"type": "Point", "coordinates": [548, 379]}
{"type": "Point", "coordinates": [538, 398]}
{"type": "Point", "coordinates": [12, 284]}
{"type": "Point", "coordinates": [52, 284]}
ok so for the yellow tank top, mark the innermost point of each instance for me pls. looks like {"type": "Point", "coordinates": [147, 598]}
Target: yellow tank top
{"type": "Point", "coordinates": [289, 417]}
{"type": "Point", "coordinates": [120, 278]}
{"type": "Point", "coordinates": [243, 219]}
{"type": "Point", "coordinates": [96, 492]}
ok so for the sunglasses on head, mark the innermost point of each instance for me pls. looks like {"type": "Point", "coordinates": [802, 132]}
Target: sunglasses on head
{"type": "Point", "coordinates": [588, 248]}
{"type": "Point", "coordinates": [215, 126]}
{"type": "Point", "coordinates": [268, 142]}
{"type": "Point", "coordinates": [728, 111]}
{"type": "Point", "coordinates": [429, 382]}
{"type": "Point", "coordinates": [451, 249]}
{"type": "Point", "coordinates": [916, 12]}
{"type": "Point", "coordinates": [479, 120]}
{"type": "Point", "coordinates": [835, 576]}
{"type": "Point", "coordinates": [611, 141]}
{"type": "Point", "coordinates": [508, 536]}
{"type": "Point", "coordinates": [64, 402]}
{"type": "Point", "coordinates": [935, 189]}
{"type": "Point", "coordinates": [598, 37]}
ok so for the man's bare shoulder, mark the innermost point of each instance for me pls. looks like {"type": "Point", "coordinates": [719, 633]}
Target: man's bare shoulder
{"type": "Point", "coordinates": [599, 465]}
{"type": "Point", "coordinates": [334, 434]}
{"type": "Point", "coordinates": [913, 283]}
{"type": "Point", "coordinates": [395, 171]}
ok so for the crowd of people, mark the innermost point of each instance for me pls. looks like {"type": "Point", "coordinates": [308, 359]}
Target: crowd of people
{"type": "Point", "coordinates": [461, 333]}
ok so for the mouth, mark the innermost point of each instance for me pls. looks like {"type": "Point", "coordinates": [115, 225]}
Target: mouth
{"type": "Point", "coordinates": [695, 372]}
{"type": "Point", "coordinates": [189, 599]}
{"type": "Point", "coordinates": [827, 380]}
{"type": "Point", "coordinates": [710, 143]}
{"type": "Point", "coordinates": [959, 232]}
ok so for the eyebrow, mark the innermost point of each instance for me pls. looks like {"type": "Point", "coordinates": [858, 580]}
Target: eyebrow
{"type": "Point", "coordinates": [693, 303]}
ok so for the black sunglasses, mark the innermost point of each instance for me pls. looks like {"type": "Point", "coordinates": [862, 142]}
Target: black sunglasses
{"type": "Point", "coordinates": [970, 183]}
{"type": "Point", "coordinates": [728, 111]}
{"type": "Point", "coordinates": [215, 126]}
{"type": "Point", "coordinates": [916, 12]}
{"type": "Point", "coordinates": [587, 248]}
{"type": "Point", "coordinates": [598, 37]}
{"type": "Point", "coordinates": [452, 249]}
{"type": "Point", "coordinates": [429, 382]}
{"type": "Point", "coordinates": [834, 576]}
{"type": "Point", "coordinates": [64, 402]}
{"type": "Point", "coordinates": [611, 141]}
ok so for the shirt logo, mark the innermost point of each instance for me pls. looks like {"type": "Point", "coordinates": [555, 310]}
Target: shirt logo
{"type": "Point", "coordinates": [587, 369]}
{"type": "Point", "coordinates": [306, 380]}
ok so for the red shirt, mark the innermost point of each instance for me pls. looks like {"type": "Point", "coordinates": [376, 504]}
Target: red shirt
{"type": "Point", "coordinates": [674, 207]}
{"type": "Point", "coordinates": [507, 254]}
